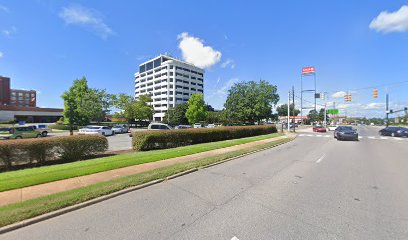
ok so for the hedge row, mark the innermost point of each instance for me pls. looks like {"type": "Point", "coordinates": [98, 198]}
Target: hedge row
{"type": "Point", "coordinates": [149, 140]}
{"type": "Point", "coordinates": [62, 127]}
{"type": "Point", "coordinates": [40, 150]}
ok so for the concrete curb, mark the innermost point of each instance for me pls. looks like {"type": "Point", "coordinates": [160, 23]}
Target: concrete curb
{"type": "Point", "coordinates": [62, 211]}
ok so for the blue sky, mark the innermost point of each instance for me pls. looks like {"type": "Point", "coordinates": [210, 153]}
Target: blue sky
{"type": "Point", "coordinates": [45, 45]}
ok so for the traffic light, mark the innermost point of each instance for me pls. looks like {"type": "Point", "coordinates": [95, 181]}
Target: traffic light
{"type": "Point", "coordinates": [375, 93]}
{"type": "Point", "coordinates": [347, 97]}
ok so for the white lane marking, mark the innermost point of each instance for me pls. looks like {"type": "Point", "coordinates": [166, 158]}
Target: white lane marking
{"type": "Point", "coordinates": [399, 139]}
{"type": "Point", "coordinates": [321, 158]}
{"type": "Point", "coordinates": [383, 138]}
{"type": "Point", "coordinates": [360, 137]}
{"type": "Point", "coordinates": [234, 238]}
{"type": "Point", "coordinates": [318, 135]}
{"type": "Point", "coordinates": [309, 135]}
{"type": "Point", "coordinates": [302, 135]}
{"type": "Point", "coordinates": [371, 137]}
{"type": "Point", "coordinates": [326, 136]}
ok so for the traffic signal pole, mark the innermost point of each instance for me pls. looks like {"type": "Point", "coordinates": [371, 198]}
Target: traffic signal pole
{"type": "Point", "coordinates": [288, 111]}
{"type": "Point", "coordinates": [387, 109]}
{"type": "Point", "coordinates": [293, 112]}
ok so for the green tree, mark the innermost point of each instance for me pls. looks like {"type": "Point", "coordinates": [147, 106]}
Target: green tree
{"type": "Point", "coordinates": [283, 110]}
{"type": "Point", "coordinates": [216, 117]}
{"type": "Point", "coordinates": [177, 115]}
{"type": "Point", "coordinates": [251, 101]}
{"type": "Point", "coordinates": [132, 109]}
{"type": "Point", "coordinates": [313, 116]}
{"type": "Point", "coordinates": [197, 109]}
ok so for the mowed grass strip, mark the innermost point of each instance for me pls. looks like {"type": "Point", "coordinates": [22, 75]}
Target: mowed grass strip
{"type": "Point", "coordinates": [35, 176]}
{"type": "Point", "coordinates": [31, 208]}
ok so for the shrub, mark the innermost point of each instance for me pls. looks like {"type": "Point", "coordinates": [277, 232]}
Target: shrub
{"type": "Point", "coordinates": [62, 127]}
{"type": "Point", "coordinates": [39, 151]}
{"type": "Point", "coordinates": [148, 140]}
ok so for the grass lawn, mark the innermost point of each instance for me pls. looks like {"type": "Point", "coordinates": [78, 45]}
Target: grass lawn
{"type": "Point", "coordinates": [20, 211]}
{"type": "Point", "coordinates": [35, 176]}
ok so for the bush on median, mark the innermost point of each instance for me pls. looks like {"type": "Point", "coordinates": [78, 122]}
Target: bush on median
{"type": "Point", "coordinates": [39, 151]}
{"type": "Point", "coordinates": [149, 140]}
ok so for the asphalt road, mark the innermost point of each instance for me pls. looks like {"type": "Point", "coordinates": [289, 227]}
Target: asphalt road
{"type": "Point", "coordinates": [311, 188]}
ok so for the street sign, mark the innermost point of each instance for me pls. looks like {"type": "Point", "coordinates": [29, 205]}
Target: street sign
{"type": "Point", "coordinates": [317, 95]}
{"type": "Point", "coordinates": [333, 111]}
{"type": "Point", "coordinates": [308, 70]}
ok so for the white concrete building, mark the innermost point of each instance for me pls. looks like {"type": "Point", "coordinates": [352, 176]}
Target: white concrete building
{"type": "Point", "coordinates": [169, 81]}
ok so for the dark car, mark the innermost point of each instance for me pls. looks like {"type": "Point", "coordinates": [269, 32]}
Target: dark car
{"type": "Point", "coordinates": [394, 132]}
{"type": "Point", "coordinates": [345, 133]}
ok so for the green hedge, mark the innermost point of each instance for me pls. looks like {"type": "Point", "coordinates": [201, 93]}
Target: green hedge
{"type": "Point", "coordinates": [39, 151]}
{"type": "Point", "coordinates": [149, 140]}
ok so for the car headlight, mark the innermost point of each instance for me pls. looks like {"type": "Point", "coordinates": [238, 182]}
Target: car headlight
{"type": "Point", "coordinates": [399, 131]}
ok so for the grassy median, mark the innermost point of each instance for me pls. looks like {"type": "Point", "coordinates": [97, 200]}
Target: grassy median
{"type": "Point", "coordinates": [31, 208]}
{"type": "Point", "coordinates": [35, 176]}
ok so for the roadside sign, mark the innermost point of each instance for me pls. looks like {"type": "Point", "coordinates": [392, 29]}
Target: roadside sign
{"type": "Point", "coordinates": [308, 70]}
{"type": "Point", "coordinates": [333, 111]}
{"type": "Point", "coordinates": [21, 123]}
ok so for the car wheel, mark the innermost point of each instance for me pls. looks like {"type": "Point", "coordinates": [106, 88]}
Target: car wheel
{"type": "Point", "coordinates": [392, 134]}
{"type": "Point", "coordinates": [44, 134]}
{"type": "Point", "coordinates": [103, 133]}
{"type": "Point", "coordinates": [19, 137]}
{"type": "Point", "coordinates": [39, 135]}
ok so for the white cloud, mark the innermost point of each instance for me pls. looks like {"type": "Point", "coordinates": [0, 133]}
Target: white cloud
{"type": "Point", "coordinates": [1, 54]}
{"type": "Point", "coordinates": [10, 32]}
{"type": "Point", "coordinates": [194, 51]}
{"type": "Point", "coordinates": [86, 17]}
{"type": "Point", "coordinates": [228, 62]}
{"type": "Point", "coordinates": [391, 21]}
{"type": "Point", "coordinates": [338, 94]}
{"type": "Point", "coordinates": [4, 9]}
{"type": "Point", "coordinates": [223, 91]}
{"type": "Point", "coordinates": [374, 106]}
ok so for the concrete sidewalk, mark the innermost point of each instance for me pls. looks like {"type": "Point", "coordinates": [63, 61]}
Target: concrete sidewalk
{"type": "Point", "coordinates": [23, 194]}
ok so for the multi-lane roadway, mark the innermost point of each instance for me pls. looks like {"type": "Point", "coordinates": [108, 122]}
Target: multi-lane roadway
{"type": "Point", "coordinates": [311, 188]}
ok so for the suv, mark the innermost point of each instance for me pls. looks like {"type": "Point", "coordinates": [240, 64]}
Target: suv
{"type": "Point", "coordinates": [158, 126]}
{"type": "Point", "coordinates": [41, 128]}
{"type": "Point", "coordinates": [19, 133]}
{"type": "Point", "coordinates": [197, 125]}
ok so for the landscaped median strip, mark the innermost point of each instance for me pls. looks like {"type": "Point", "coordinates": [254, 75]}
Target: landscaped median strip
{"type": "Point", "coordinates": [41, 206]}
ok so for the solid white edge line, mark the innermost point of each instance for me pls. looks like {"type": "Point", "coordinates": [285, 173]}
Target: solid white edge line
{"type": "Point", "coordinates": [321, 158]}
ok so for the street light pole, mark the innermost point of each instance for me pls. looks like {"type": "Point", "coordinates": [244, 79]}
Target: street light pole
{"type": "Point", "coordinates": [288, 111]}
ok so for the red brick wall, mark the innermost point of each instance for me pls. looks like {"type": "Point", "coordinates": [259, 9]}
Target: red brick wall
{"type": "Point", "coordinates": [4, 90]}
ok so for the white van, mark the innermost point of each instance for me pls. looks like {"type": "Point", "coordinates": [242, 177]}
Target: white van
{"type": "Point", "coordinates": [158, 126]}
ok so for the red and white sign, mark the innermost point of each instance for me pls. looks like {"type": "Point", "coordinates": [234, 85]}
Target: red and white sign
{"type": "Point", "coordinates": [308, 70]}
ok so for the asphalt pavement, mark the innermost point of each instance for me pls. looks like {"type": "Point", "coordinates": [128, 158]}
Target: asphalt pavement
{"type": "Point", "coordinates": [310, 188]}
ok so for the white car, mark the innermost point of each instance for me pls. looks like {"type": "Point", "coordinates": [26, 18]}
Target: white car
{"type": "Point", "coordinates": [332, 128]}
{"type": "Point", "coordinates": [211, 125]}
{"type": "Point", "coordinates": [197, 125]}
{"type": "Point", "coordinates": [120, 128]}
{"type": "Point", "coordinates": [102, 130]}
{"type": "Point", "coordinates": [158, 126]}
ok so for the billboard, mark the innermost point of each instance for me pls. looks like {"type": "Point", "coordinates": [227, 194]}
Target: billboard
{"type": "Point", "coordinates": [308, 70]}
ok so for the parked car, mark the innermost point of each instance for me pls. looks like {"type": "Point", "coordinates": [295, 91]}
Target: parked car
{"type": "Point", "coordinates": [332, 128]}
{"type": "Point", "coordinates": [345, 133]}
{"type": "Point", "coordinates": [158, 126]}
{"type": "Point", "coordinates": [102, 130]}
{"type": "Point", "coordinates": [41, 128]}
{"type": "Point", "coordinates": [19, 132]}
{"type": "Point", "coordinates": [182, 127]}
{"type": "Point", "coordinates": [394, 132]}
{"type": "Point", "coordinates": [121, 128]}
{"type": "Point", "coordinates": [319, 129]}
{"type": "Point", "coordinates": [197, 125]}
{"type": "Point", "coordinates": [211, 125]}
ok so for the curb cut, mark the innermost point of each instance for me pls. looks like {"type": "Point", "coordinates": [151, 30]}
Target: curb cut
{"type": "Point", "coordinates": [65, 210]}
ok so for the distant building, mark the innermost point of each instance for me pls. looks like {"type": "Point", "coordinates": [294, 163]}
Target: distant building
{"type": "Point", "coordinates": [20, 105]}
{"type": "Point", "coordinates": [296, 119]}
{"type": "Point", "coordinates": [169, 81]}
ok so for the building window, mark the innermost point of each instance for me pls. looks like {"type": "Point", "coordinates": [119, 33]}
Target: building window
{"type": "Point", "coordinates": [149, 66]}
{"type": "Point", "coordinates": [171, 67]}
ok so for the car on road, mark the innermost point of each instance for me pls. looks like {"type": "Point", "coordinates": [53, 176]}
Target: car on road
{"type": "Point", "coordinates": [19, 133]}
{"type": "Point", "coordinates": [102, 130]}
{"type": "Point", "coordinates": [158, 126]}
{"type": "Point", "coordinates": [394, 131]}
{"type": "Point", "coordinates": [345, 133]}
{"type": "Point", "coordinates": [197, 125]}
{"type": "Point", "coordinates": [121, 128]}
{"type": "Point", "coordinates": [211, 125]}
{"type": "Point", "coordinates": [332, 127]}
{"type": "Point", "coordinates": [319, 129]}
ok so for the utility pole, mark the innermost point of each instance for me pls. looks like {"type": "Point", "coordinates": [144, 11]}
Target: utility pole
{"type": "Point", "coordinates": [387, 109]}
{"type": "Point", "coordinates": [293, 112]}
{"type": "Point", "coordinates": [288, 111]}
{"type": "Point", "coordinates": [325, 113]}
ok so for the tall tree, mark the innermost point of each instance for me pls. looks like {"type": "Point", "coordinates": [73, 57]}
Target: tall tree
{"type": "Point", "coordinates": [83, 104]}
{"type": "Point", "coordinates": [251, 101]}
{"type": "Point", "coordinates": [313, 116]}
{"type": "Point", "coordinates": [196, 110]}
{"type": "Point", "coordinates": [132, 109]}
{"type": "Point", "coordinates": [283, 110]}
{"type": "Point", "coordinates": [177, 115]}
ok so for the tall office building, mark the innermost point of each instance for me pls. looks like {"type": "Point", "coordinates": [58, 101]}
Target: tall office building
{"type": "Point", "coordinates": [4, 90]}
{"type": "Point", "coordinates": [16, 97]}
{"type": "Point", "coordinates": [169, 82]}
